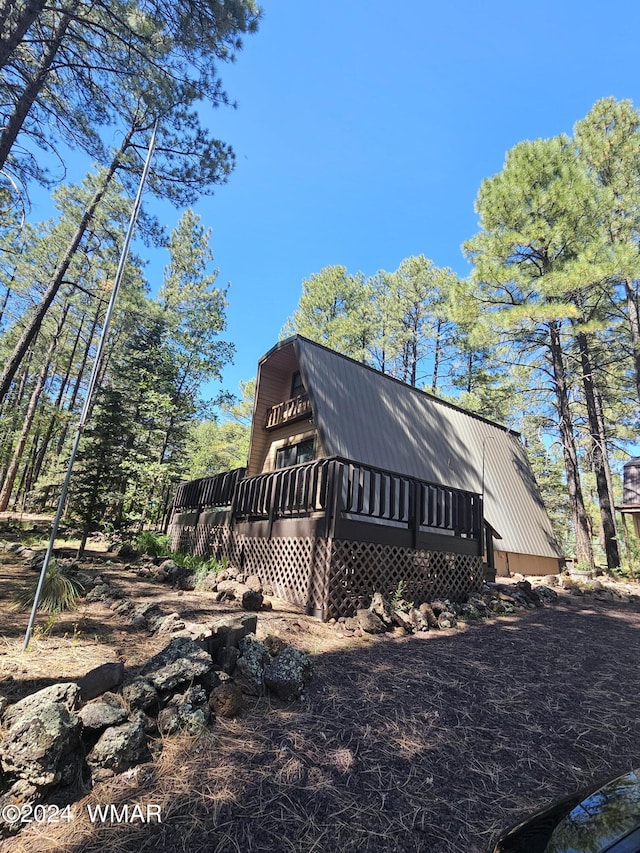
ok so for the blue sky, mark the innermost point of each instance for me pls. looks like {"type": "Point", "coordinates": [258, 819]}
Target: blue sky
{"type": "Point", "coordinates": [364, 129]}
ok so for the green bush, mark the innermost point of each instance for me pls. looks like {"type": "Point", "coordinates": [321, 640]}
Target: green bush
{"type": "Point", "coordinates": [398, 601]}
{"type": "Point", "coordinates": [152, 543]}
{"type": "Point", "coordinates": [60, 591]}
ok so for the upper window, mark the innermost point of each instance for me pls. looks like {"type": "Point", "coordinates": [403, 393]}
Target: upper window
{"type": "Point", "coordinates": [296, 384]}
{"type": "Point", "coordinates": [295, 454]}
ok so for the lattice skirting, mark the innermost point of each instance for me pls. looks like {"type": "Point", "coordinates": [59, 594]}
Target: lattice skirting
{"type": "Point", "coordinates": [358, 569]}
{"type": "Point", "coordinates": [328, 578]}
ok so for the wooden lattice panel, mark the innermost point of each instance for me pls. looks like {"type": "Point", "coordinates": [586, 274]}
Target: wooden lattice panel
{"type": "Point", "coordinates": [329, 578]}
{"type": "Point", "coordinates": [203, 539]}
{"type": "Point", "coordinates": [295, 567]}
{"type": "Point", "coordinates": [357, 569]}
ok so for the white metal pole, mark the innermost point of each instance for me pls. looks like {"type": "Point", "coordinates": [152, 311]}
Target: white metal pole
{"type": "Point", "coordinates": [92, 383]}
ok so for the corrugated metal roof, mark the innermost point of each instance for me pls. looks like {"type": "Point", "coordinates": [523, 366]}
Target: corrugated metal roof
{"type": "Point", "coordinates": [371, 418]}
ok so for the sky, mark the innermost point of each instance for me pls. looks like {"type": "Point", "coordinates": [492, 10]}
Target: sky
{"type": "Point", "coordinates": [365, 128]}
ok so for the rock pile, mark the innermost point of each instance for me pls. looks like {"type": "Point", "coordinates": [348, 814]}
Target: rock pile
{"type": "Point", "coordinates": [226, 586]}
{"type": "Point", "coordinates": [72, 734]}
{"type": "Point", "coordinates": [381, 615]}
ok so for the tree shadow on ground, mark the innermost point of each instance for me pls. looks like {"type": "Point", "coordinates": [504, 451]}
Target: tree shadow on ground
{"type": "Point", "coordinates": [429, 743]}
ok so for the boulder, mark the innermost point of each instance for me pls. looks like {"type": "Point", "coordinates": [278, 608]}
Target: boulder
{"type": "Point", "coordinates": [99, 715]}
{"type": "Point", "coordinates": [169, 568]}
{"type": "Point", "coordinates": [140, 693]}
{"type": "Point", "coordinates": [227, 658]}
{"type": "Point", "coordinates": [43, 745]}
{"type": "Point", "coordinates": [186, 581]}
{"type": "Point", "coordinates": [119, 748]}
{"type": "Point", "coordinates": [168, 721]}
{"type": "Point", "coordinates": [169, 624]}
{"type": "Point", "coordinates": [402, 619]}
{"type": "Point", "coordinates": [381, 608]}
{"type": "Point", "coordinates": [126, 551]}
{"type": "Point", "coordinates": [447, 619]}
{"type": "Point", "coordinates": [252, 600]}
{"type": "Point", "coordinates": [112, 699]}
{"type": "Point", "coordinates": [99, 680]}
{"type": "Point", "coordinates": [570, 586]}
{"type": "Point", "coordinates": [182, 661]}
{"type": "Point", "coordinates": [480, 604]}
{"type": "Point", "coordinates": [145, 611]}
{"type": "Point", "coordinates": [288, 674]}
{"type": "Point", "coordinates": [370, 622]}
{"type": "Point", "coordinates": [469, 612]}
{"type": "Point", "coordinates": [233, 629]}
{"type": "Point", "coordinates": [427, 611]}
{"type": "Point", "coordinates": [418, 620]}
{"type": "Point", "coordinates": [249, 672]}
{"type": "Point", "coordinates": [547, 594]}
{"type": "Point", "coordinates": [603, 595]}
{"type": "Point", "coordinates": [19, 794]}
{"type": "Point", "coordinates": [99, 592]}
{"type": "Point", "coordinates": [186, 712]}
{"type": "Point", "coordinates": [274, 644]}
{"type": "Point", "coordinates": [254, 583]}
{"type": "Point", "coordinates": [226, 700]}
{"type": "Point", "coordinates": [66, 693]}
{"type": "Point", "coordinates": [232, 586]}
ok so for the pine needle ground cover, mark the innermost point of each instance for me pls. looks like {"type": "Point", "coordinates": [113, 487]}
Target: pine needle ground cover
{"type": "Point", "coordinates": [432, 743]}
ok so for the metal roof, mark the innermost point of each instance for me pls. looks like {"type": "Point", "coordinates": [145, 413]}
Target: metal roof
{"type": "Point", "coordinates": [364, 415]}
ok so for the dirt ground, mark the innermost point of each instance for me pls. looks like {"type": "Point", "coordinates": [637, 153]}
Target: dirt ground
{"type": "Point", "coordinates": [434, 742]}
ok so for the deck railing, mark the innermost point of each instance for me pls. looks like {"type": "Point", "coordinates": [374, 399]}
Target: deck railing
{"type": "Point", "coordinates": [289, 410]}
{"type": "Point", "coordinates": [299, 490]}
{"type": "Point", "coordinates": [341, 490]}
{"type": "Point", "coordinates": [208, 492]}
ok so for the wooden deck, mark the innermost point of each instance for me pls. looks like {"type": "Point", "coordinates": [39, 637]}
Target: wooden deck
{"type": "Point", "coordinates": [327, 532]}
{"type": "Point", "coordinates": [340, 499]}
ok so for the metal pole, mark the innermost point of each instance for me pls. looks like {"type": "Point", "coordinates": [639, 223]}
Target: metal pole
{"type": "Point", "coordinates": [92, 383]}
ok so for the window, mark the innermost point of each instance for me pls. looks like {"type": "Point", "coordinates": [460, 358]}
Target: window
{"type": "Point", "coordinates": [297, 387]}
{"type": "Point", "coordinates": [295, 454]}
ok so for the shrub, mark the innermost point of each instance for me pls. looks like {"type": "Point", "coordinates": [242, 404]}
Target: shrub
{"type": "Point", "coordinates": [153, 544]}
{"type": "Point", "coordinates": [60, 591]}
{"type": "Point", "coordinates": [398, 601]}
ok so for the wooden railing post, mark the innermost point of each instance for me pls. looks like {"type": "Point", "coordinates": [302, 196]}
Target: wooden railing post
{"type": "Point", "coordinates": [334, 497]}
{"type": "Point", "coordinates": [414, 511]}
{"type": "Point", "coordinates": [273, 486]}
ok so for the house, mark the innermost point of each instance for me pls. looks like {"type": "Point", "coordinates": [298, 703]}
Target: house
{"type": "Point", "coordinates": [357, 481]}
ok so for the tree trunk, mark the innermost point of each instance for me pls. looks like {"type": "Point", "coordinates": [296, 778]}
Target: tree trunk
{"type": "Point", "coordinates": [634, 326]}
{"type": "Point", "coordinates": [33, 325]}
{"type": "Point", "coordinates": [70, 405]}
{"type": "Point", "coordinates": [14, 27]}
{"type": "Point", "coordinates": [13, 405]}
{"type": "Point", "coordinates": [7, 487]}
{"type": "Point", "coordinates": [584, 551]}
{"type": "Point", "coordinates": [5, 302]}
{"type": "Point", "coordinates": [436, 357]}
{"type": "Point", "coordinates": [598, 455]}
{"type": "Point", "coordinates": [38, 461]}
{"type": "Point", "coordinates": [33, 88]}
